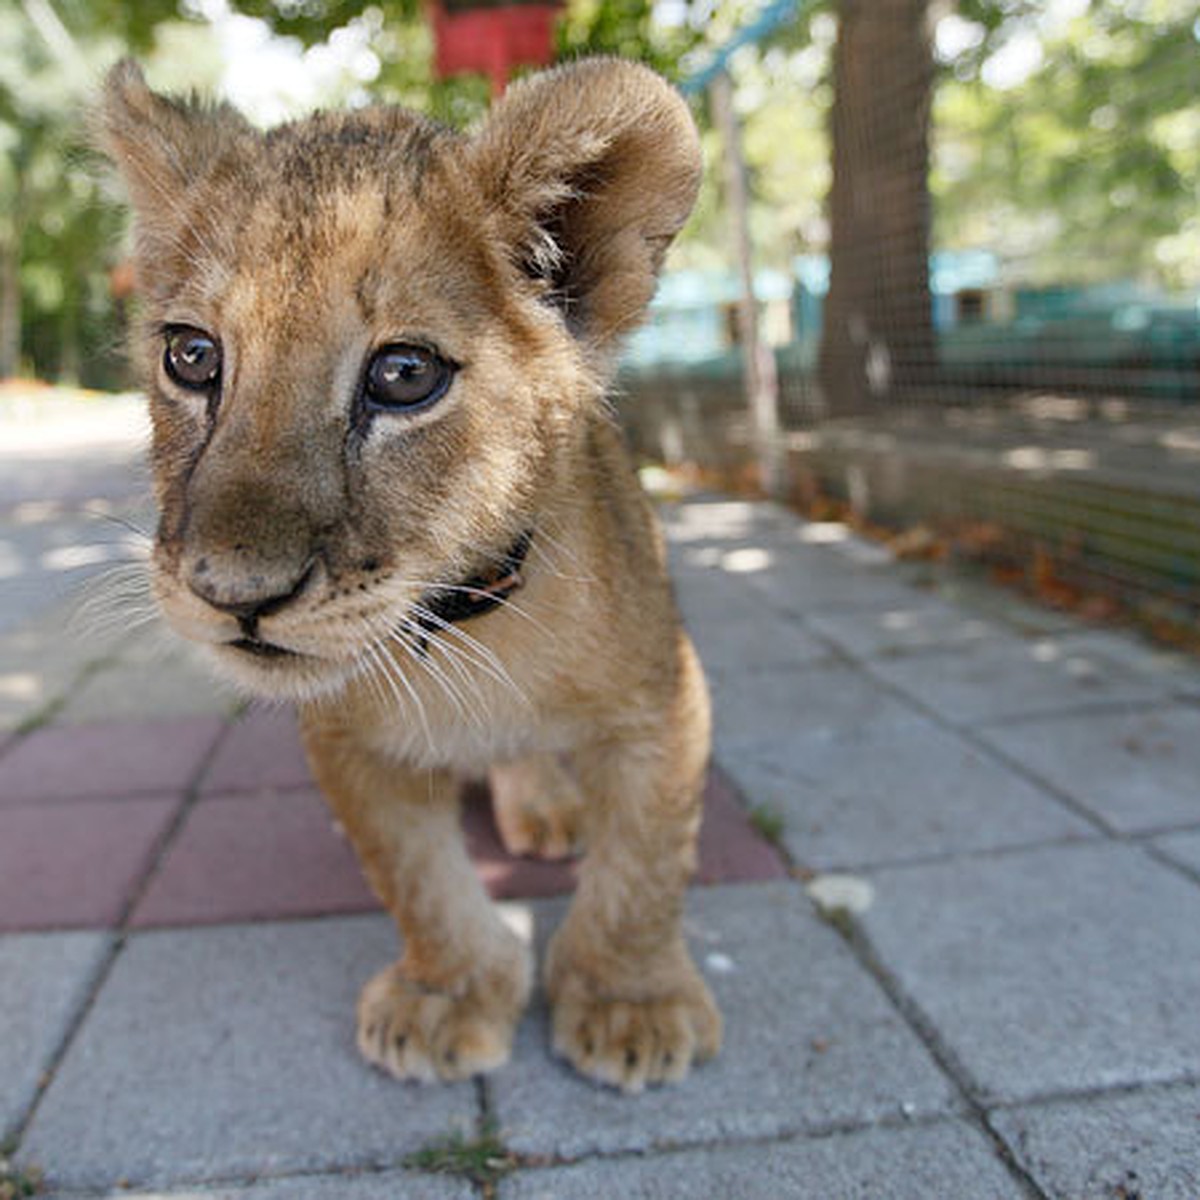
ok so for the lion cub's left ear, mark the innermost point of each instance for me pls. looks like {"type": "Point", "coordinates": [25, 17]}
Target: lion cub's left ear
{"type": "Point", "coordinates": [593, 168]}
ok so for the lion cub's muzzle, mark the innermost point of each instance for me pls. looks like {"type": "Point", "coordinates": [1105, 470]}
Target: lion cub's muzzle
{"type": "Point", "coordinates": [250, 588]}
{"type": "Point", "coordinates": [248, 591]}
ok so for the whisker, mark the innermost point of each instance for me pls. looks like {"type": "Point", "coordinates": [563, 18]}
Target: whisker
{"type": "Point", "coordinates": [118, 597]}
{"type": "Point", "coordinates": [468, 712]}
{"type": "Point", "coordinates": [102, 515]}
{"type": "Point", "coordinates": [372, 649]}
{"type": "Point", "coordinates": [472, 650]}
{"type": "Point", "coordinates": [504, 602]}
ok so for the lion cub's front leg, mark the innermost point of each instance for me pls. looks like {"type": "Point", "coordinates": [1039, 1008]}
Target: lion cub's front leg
{"type": "Point", "coordinates": [448, 1008]}
{"type": "Point", "coordinates": [629, 1006]}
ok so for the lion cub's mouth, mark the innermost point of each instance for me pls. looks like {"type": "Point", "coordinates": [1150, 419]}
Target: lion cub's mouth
{"type": "Point", "coordinates": [261, 649]}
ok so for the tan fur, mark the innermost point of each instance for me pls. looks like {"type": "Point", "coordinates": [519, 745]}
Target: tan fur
{"type": "Point", "coordinates": [522, 252]}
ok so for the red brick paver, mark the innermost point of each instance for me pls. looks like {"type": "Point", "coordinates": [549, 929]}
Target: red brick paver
{"type": "Point", "coordinates": [77, 862]}
{"type": "Point", "coordinates": [113, 761]}
{"type": "Point", "coordinates": [254, 856]}
{"type": "Point", "coordinates": [262, 751]}
{"type": "Point", "coordinates": [77, 840]}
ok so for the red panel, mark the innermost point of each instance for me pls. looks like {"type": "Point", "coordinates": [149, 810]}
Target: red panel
{"type": "Point", "coordinates": [493, 41]}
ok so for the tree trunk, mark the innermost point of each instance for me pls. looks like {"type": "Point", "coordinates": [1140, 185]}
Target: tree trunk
{"type": "Point", "coordinates": [877, 343]}
{"type": "Point", "coordinates": [70, 355]}
{"type": "Point", "coordinates": [10, 274]}
{"type": "Point", "coordinates": [10, 309]}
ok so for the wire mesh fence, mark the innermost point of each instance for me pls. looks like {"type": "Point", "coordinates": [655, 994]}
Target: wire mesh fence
{"type": "Point", "coordinates": [1000, 340]}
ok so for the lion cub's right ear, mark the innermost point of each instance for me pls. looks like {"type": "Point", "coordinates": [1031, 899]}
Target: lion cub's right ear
{"type": "Point", "coordinates": [160, 145]}
{"type": "Point", "coordinates": [592, 168]}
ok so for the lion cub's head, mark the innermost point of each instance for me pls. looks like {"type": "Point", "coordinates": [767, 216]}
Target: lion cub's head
{"type": "Point", "coordinates": [370, 343]}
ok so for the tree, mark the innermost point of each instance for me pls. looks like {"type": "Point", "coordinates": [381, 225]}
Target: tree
{"type": "Point", "coordinates": [878, 340]}
{"type": "Point", "coordinates": [1084, 169]}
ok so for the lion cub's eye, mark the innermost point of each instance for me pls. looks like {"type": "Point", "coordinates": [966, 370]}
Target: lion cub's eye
{"type": "Point", "coordinates": [192, 358]}
{"type": "Point", "coordinates": [406, 377]}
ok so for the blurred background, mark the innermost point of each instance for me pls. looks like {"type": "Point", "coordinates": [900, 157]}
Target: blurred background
{"type": "Point", "coordinates": [942, 284]}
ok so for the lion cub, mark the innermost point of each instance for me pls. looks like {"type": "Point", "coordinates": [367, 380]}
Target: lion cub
{"type": "Point", "coordinates": [391, 491]}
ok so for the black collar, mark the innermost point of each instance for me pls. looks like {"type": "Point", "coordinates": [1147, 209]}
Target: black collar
{"type": "Point", "coordinates": [477, 595]}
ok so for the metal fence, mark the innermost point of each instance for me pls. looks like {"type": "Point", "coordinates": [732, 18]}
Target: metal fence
{"type": "Point", "coordinates": [1029, 390]}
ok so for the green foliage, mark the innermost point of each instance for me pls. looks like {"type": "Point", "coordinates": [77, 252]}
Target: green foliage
{"type": "Point", "coordinates": [768, 822]}
{"type": "Point", "coordinates": [626, 28]}
{"type": "Point", "coordinates": [18, 1182]}
{"type": "Point", "coordinates": [312, 21]}
{"type": "Point", "coordinates": [1087, 170]}
{"type": "Point", "coordinates": [483, 1160]}
{"type": "Point", "coordinates": [55, 225]}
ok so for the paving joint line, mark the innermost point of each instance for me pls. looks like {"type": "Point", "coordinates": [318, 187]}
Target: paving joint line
{"type": "Point", "coordinates": [796, 1136]}
{"type": "Point", "coordinates": [1093, 708]}
{"type": "Point", "coordinates": [1191, 874]}
{"type": "Point", "coordinates": [858, 944]}
{"type": "Point", "coordinates": [191, 797]}
{"type": "Point", "coordinates": [525, 1163]}
{"type": "Point", "coordinates": [983, 854]}
{"type": "Point", "coordinates": [945, 1057]}
{"type": "Point", "coordinates": [200, 1187]}
{"type": "Point", "coordinates": [120, 934]}
{"type": "Point", "coordinates": [969, 734]}
{"type": "Point", "coordinates": [1190, 1079]}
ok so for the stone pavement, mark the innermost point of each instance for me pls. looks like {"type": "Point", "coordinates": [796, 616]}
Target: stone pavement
{"type": "Point", "coordinates": [949, 903]}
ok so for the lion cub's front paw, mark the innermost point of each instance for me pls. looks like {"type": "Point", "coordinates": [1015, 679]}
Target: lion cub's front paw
{"type": "Point", "coordinates": [629, 1043]}
{"type": "Point", "coordinates": [416, 1032]}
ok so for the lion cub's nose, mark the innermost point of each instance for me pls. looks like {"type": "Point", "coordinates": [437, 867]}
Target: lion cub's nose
{"type": "Point", "coordinates": [237, 584]}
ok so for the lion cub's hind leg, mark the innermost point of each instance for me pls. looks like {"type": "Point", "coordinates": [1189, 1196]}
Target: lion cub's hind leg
{"type": "Point", "coordinates": [539, 807]}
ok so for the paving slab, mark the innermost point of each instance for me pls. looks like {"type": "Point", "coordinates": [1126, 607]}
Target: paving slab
{"type": "Point", "coordinates": [724, 564]}
{"type": "Point", "coordinates": [77, 863]}
{"type": "Point", "coordinates": [1051, 970]}
{"type": "Point", "coordinates": [46, 562]}
{"type": "Point", "coordinates": [374, 1185]}
{"type": "Point", "coordinates": [44, 981]}
{"type": "Point", "coordinates": [818, 567]}
{"type": "Point", "coordinates": [920, 624]}
{"type": "Point", "coordinates": [794, 588]}
{"type": "Point", "coordinates": [757, 716]}
{"type": "Point", "coordinates": [1180, 672]}
{"type": "Point", "coordinates": [1183, 848]}
{"type": "Point", "coordinates": [734, 635]}
{"type": "Point", "coordinates": [810, 1042]}
{"type": "Point", "coordinates": [39, 665]}
{"type": "Point", "coordinates": [110, 760]}
{"type": "Point", "coordinates": [229, 1052]}
{"type": "Point", "coordinates": [1010, 678]}
{"type": "Point", "coordinates": [712, 518]}
{"type": "Point", "coordinates": [1137, 771]}
{"type": "Point", "coordinates": [791, 567]}
{"type": "Point", "coordinates": [1004, 605]}
{"type": "Point", "coordinates": [1144, 1144]}
{"type": "Point", "coordinates": [169, 685]}
{"type": "Point", "coordinates": [255, 856]}
{"type": "Point", "coordinates": [947, 1159]}
{"type": "Point", "coordinates": [895, 792]}
{"type": "Point", "coordinates": [263, 750]}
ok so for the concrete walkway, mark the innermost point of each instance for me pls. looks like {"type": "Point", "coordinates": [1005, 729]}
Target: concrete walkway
{"type": "Point", "coordinates": [949, 903]}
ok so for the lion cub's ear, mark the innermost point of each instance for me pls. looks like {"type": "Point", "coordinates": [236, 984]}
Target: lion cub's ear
{"type": "Point", "coordinates": [159, 144]}
{"type": "Point", "coordinates": [594, 168]}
